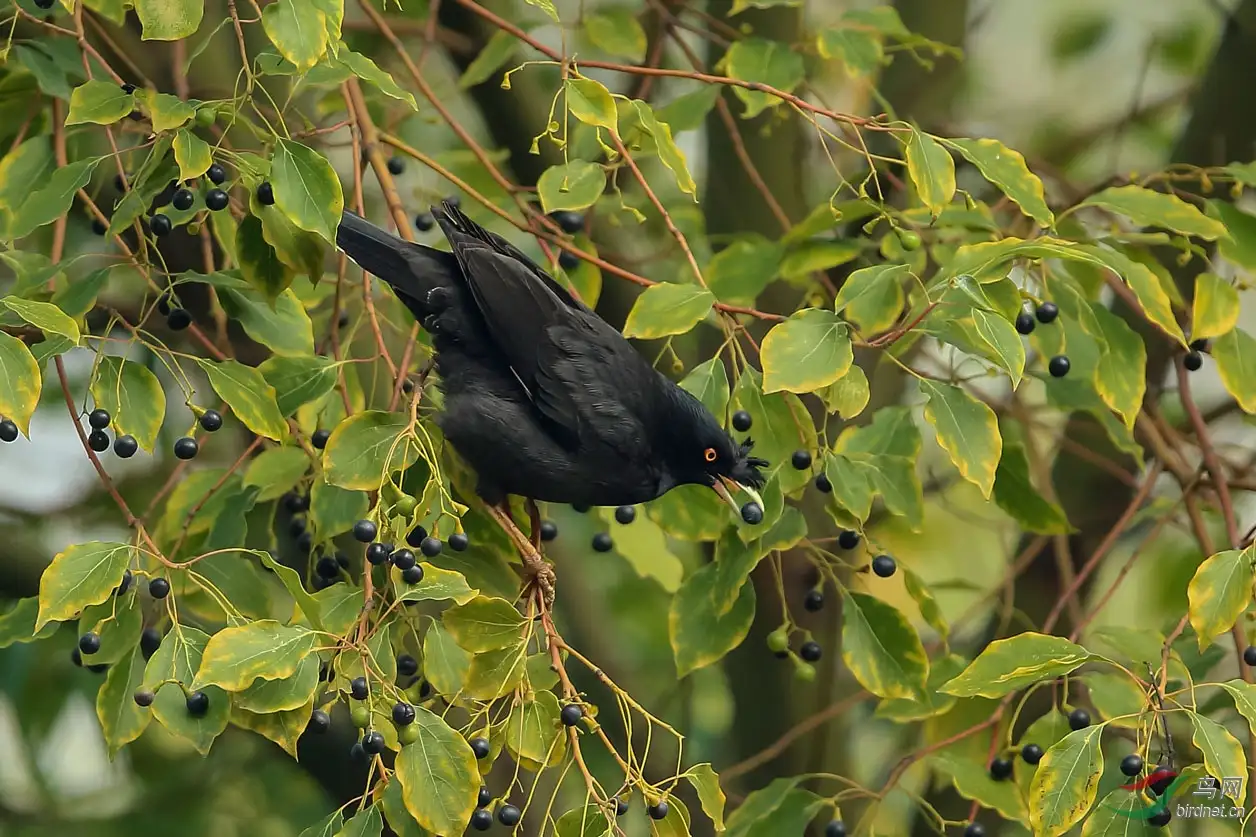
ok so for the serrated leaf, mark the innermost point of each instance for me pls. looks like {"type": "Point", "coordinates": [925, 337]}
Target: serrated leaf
{"type": "Point", "coordinates": [438, 776]}
{"type": "Point", "coordinates": [307, 189]}
{"type": "Point", "coordinates": [193, 155]}
{"type": "Point", "coordinates": [99, 103]}
{"type": "Point", "coordinates": [573, 185]}
{"type": "Point", "coordinates": [881, 649]}
{"type": "Point", "coordinates": [169, 20]}
{"type": "Point", "coordinates": [667, 308]}
{"type": "Point", "coordinates": [366, 448]}
{"type": "Point", "coordinates": [700, 636]}
{"type": "Point", "coordinates": [83, 574]}
{"type": "Point", "coordinates": [1223, 754]}
{"type": "Point", "coordinates": [967, 430]}
{"type": "Point", "coordinates": [1065, 783]}
{"type": "Point", "coordinates": [1150, 208]}
{"type": "Point", "coordinates": [1007, 665]}
{"type": "Point", "coordinates": [1235, 354]}
{"type": "Point", "coordinates": [932, 171]}
{"type": "Point", "coordinates": [299, 380]}
{"type": "Point", "coordinates": [298, 30]}
{"type": "Point", "coordinates": [591, 103]}
{"type": "Point", "coordinates": [249, 396]}
{"type": "Point", "coordinates": [235, 657]}
{"type": "Point", "coordinates": [770, 63]}
{"type": "Point", "coordinates": [1219, 592]}
{"type": "Point", "coordinates": [808, 351]}
{"type": "Point", "coordinates": [133, 396]}
{"type": "Point", "coordinates": [1006, 169]}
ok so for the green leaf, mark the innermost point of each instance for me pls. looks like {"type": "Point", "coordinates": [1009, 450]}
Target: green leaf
{"type": "Point", "coordinates": [669, 153]}
{"type": "Point", "coordinates": [1006, 169]}
{"type": "Point", "coordinates": [276, 471]}
{"type": "Point", "coordinates": [1003, 341]}
{"type": "Point", "coordinates": [1014, 492]}
{"type": "Point", "coordinates": [1007, 665]}
{"type": "Point", "coordinates": [118, 621]}
{"type": "Point", "coordinates": [881, 648]}
{"type": "Point", "coordinates": [334, 510]}
{"type": "Point", "coordinates": [299, 31]}
{"type": "Point", "coordinates": [249, 396]}
{"type": "Point", "coordinates": [299, 380]}
{"type": "Point", "coordinates": [708, 382]}
{"type": "Point", "coordinates": [193, 155]}
{"type": "Point", "coordinates": [484, 624]}
{"type": "Point", "coordinates": [1118, 815]}
{"type": "Point", "coordinates": [438, 776]}
{"type": "Point", "coordinates": [54, 199]}
{"type": "Point", "coordinates": [367, 70]}
{"type": "Point", "coordinates": [851, 488]}
{"type": "Point", "coordinates": [644, 546]}
{"type": "Point", "coordinates": [437, 584]}
{"type": "Point", "coordinates": [20, 382]}
{"type": "Point", "coordinates": [291, 692]}
{"type": "Point", "coordinates": [617, 31]}
{"type": "Point", "coordinates": [1150, 208]}
{"type": "Point", "coordinates": [972, 781]}
{"type": "Point", "coordinates": [22, 170]}
{"type": "Point", "coordinates": [45, 316]}
{"type": "Point", "coordinates": [283, 327]}
{"type": "Point", "coordinates": [1119, 699]}
{"type": "Point", "coordinates": [307, 189]}
{"type": "Point", "coordinates": [329, 826]}
{"type": "Point", "coordinates": [1120, 378]}
{"type": "Point", "coordinates": [573, 185]}
{"type": "Point", "coordinates": [1065, 783]}
{"type": "Point", "coordinates": [1219, 592]}
{"type": "Point", "coordinates": [707, 785]}
{"type": "Point", "coordinates": [259, 262]}
{"type": "Point", "coordinates": [782, 425]}
{"type": "Point", "coordinates": [1235, 354]}
{"type": "Point", "coordinates": [848, 396]}
{"type": "Point", "coordinates": [734, 561]}
{"type": "Point", "coordinates": [770, 63]}
{"type": "Point", "coordinates": [491, 57]}
{"type": "Point", "coordinates": [811, 255]}
{"type": "Point", "coordinates": [445, 664]}
{"type": "Point", "coordinates": [365, 448]}
{"type": "Point", "coordinates": [17, 624]}
{"type": "Point", "coordinates": [121, 720]}
{"type": "Point", "coordinates": [589, 821]}
{"type": "Point", "coordinates": [781, 805]}
{"type": "Point", "coordinates": [1215, 309]}
{"type": "Point", "coordinates": [365, 823]}
{"type": "Point", "coordinates": [300, 251]}
{"type": "Point", "coordinates": [867, 282]}
{"type": "Point", "coordinates": [808, 351]}
{"type": "Point", "coordinates": [166, 111]}
{"type": "Point", "coordinates": [667, 308]}
{"type": "Point", "coordinates": [546, 6]}
{"type": "Point", "coordinates": [967, 430]}
{"type": "Point", "coordinates": [99, 103]}
{"type": "Point", "coordinates": [739, 273]}
{"type": "Point", "coordinates": [930, 703]}
{"type": "Point", "coordinates": [235, 657]}
{"type": "Point", "coordinates": [533, 729]}
{"type": "Point", "coordinates": [177, 659]}
{"type": "Point", "coordinates": [169, 20]}
{"type": "Point", "coordinates": [133, 396]}
{"type": "Point", "coordinates": [932, 170]}
{"type": "Point", "coordinates": [591, 103]}
{"type": "Point", "coordinates": [84, 574]}
{"type": "Point", "coordinates": [1223, 754]}
{"type": "Point", "coordinates": [700, 636]}
{"type": "Point", "coordinates": [859, 50]}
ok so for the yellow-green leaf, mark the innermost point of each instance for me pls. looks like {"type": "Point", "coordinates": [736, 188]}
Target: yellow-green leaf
{"type": "Point", "coordinates": [1223, 754]}
{"type": "Point", "coordinates": [533, 729]}
{"type": "Point", "coordinates": [1065, 783]}
{"type": "Point", "coordinates": [169, 20]}
{"type": "Point", "coordinates": [100, 103]}
{"type": "Point", "coordinates": [932, 170]}
{"type": "Point", "coordinates": [1219, 592]}
{"type": "Point", "coordinates": [849, 395]}
{"type": "Point", "coordinates": [83, 575]}
{"type": "Point", "coordinates": [280, 325]}
{"type": "Point", "coordinates": [669, 153]}
{"type": "Point", "coordinates": [1150, 208]}
{"type": "Point", "coordinates": [667, 308]}
{"type": "Point", "coordinates": [438, 776]}
{"type": "Point", "coordinates": [259, 261]}
{"type": "Point", "coordinates": [367, 70]}
{"type": "Point", "coordinates": [591, 103]}
{"type": "Point", "coordinates": [808, 351]}
{"type": "Point", "coordinates": [770, 63]}
{"type": "Point", "coordinates": [617, 31]}
{"type": "Point", "coordinates": [249, 396]}
{"type": "Point", "coordinates": [133, 396]}
{"type": "Point", "coordinates": [484, 624]}
{"type": "Point", "coordinates": [45, 316]}
{"type": "Point", "coordinates": [546, 6]}
{"type": "Point", "coordinates": [176, 660]}
{"type": "Point", "coordinates": [1005, 168]}
{"type": "Point", "coordinates": [1119, 379]}
{"type": "Point", "coordinates": [1007, 665]}
{"type": "Point", "coordinates": [366, 448]}
{"type": "Point", "coordinates": [307, 189]}
{"type": "Point", "coordinates": [1151, 295]}
{"type": "Point", "coordinates": [1215, 309]}
{"type": "Point", "coordinates": [121, 720]}
{"type": "Point", "coordinates": [193, 155]}
{"type": "Point", "coordinates": [699, 635]}
{"type": "Point", "coordinates": [881, 648]}
{"type": "Point", "coordinates": [707, 785]}
{"type": "Point", "coordinates": [445, 664]}
{"type": "Point", "coordinates": [1015, 493]}
{"type": "Point", "coordinates": [1235, 354]}
{"type": "Point", "coordinates": [866, 282]}
{"type": "Point", "coordinates": [235, 657]}
{"type": "Point", "coordinates": [1004, 342]}
{"type": "Point", "coordinates": [644, 546]}
{"type": "Point", "coordinates": [167, 111]}
{"type": "Point", "coordinates": [967, 430]}
{"type": "Point", "coordinates": [53, 200]}
{"type": "Point", "coordinates": [573, 185]}
{"type": "Point", "coordinates": [298, 30]}
{"type": "Point", "coordinates": [299, 380]}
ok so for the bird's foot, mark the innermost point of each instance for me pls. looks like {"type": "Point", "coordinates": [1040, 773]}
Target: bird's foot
{"type": "Point", "coordinates": [540, 573]}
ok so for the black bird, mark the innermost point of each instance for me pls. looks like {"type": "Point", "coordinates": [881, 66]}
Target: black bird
{"type": "Point", "coordinates": [543, 398]}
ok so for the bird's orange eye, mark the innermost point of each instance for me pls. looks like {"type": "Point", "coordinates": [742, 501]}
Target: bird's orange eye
{"type": "Point", "coordinates": [710, 455]}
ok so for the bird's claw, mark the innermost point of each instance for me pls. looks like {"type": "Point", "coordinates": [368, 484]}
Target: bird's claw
{"type": "Point", "coordinates": [541, 576]}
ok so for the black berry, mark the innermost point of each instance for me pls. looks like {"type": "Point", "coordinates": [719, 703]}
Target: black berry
{"type": "Point", "coordinates": [1132, 764]}
{"type": "Point", "coordinates": [319, 438]}
{"type": "Point", "coordinates": [89, 643]}
{"type": "Point", "coordinates": [568, 261]}
{"type": "Point", "coordinates": [216, 200]}
{"type": "Point", "coordinates": [424, 221]}
{"type": "Point", "coordinates": [319, 722]}
{"type": "Point", "coordinates": [810, 651]}
{"type": "Point", "coordinates": [416, 536]}
{"type": "Point", "coordinates": [407, 666]}
{"type": "Point", "coordinates": [99, 419]}
{"type": "Point", "coordinates": [572, 714]}
{"type": "Point", "coordinates": [1159, 786]}
{"type": "Point", "coordinates": [848, 539]}
{"type": "Point", "coordinates": [836, 828]}
{"type": "Point", "coordinates": [1059, 366]}
{"type": "Point", "coordinates": [621, 806]}
{"type": "Point", "coordinates": [197, 704]}
{"type": "Point", "coordinates": [884, 566]}
{"type": "Point", "coordinates": [823, 485]}
{"type": "Point", "coordinates": [975, 829]}
{"type": "Point", "coordinates": [480, 747]}
{"type": "Point", "coordinates": [458, 541]}
{"type": "Point", "coordinates": [211, 420]}
{"type": "Point", "coordinates": [216, 174]}
{"type": "Point", "coordinates": [357, 754]}
{"type": "Point", "coordinates": [568, 221]}
{"type": "Point", "coordinates": [742, 421]}
{"type": "Point", "coordinates": [1201, 346]}
{"type": "Point", "coordinates": [1249, 655]}
{"type": "Point", "coordinates": [396, 165]}
{"type": "Point", "coordinates": [814, 601]}
{"type": "Point", "coordinates": [45, 4]}
{"type": "Point", "coordinates": [144, 697]}
{"type": "Point", "coordinates": [1031, 753]}
{"type": "Point", "coordinates": [549, 530]}
{"type": "Point", "coordinates": [1047, 312]}
{"type": "Point", "coordinates": [402, 714]}
{"type": "Point", "coordinates": [159, 588]}
{"type": "Point", "coordinates": [305, 542]}
{"type": "Point", "coordinates": [186, 448]}
{"type": "Point", "coordinates": [266, 194]}
{"type": "Point", "coordinates": [125, 585]}
{"type": "Point", "coordinates": [602, 542]}
{"type": "Point", "coordinates": [125, 446]}
{"type": "Point", "coordinates": [8, 431]}
{"type": "Point", "coordinates": [1025, 322]}
{"type": "Point", "coordinates": [127, 87]}
{"type": "Point", "coordinates": [658, 811]}
{"type": "Point", "coordinates": [413, 575]}
{"type": "Point", "coordinates": [625, 514]}
{"type": "Point", "coordinates": [1000, 769]}
{"type": "Point", "coordinates": [580, 508]}
{"type": "Point", "coordinates": [327, 567]}
{"type": "Point", "coordinates": [801, 460]}
{"type": "Point", "coordinates": [509, 815]}
{"type": "Point", "coordinates": [376, 554]}
{"type": "Point", "coordinates": [99, 227]}
{"type": "Point", "coordinates": [403, 559]}
{"type": "Point", "coordinates": [160, 225]}
{"type": "Point", "coordinates": [98, 440]}
{"type": "Point", "coordinates": [752, 513]}
{"type": "Point", "coordinates": [1193, 361]}
{"type": "Point", "coordinates": [150, 641]}
{"type": "Point", "coordinates": [183, 199]}
{"type": "Point", "coordinates": [431, 547]}
{"type": "Point", "coordinates": [1078, 719]}
{"type": "Point", "coordinates": [358, 689]}
{"type": "Point", "coordinates": [482, 820]}
{"type": "Point", "coordinates": [76, 656]}
{"type": "Point", "coordinates": [373, 742]}
{"type": "Point", "coordinates": [178, 319]}
{"type": "Point", "coordinates": [1161, 819]}
{"type": "Point", "coordinates": [483, 799]}
{"type": "Point", "coordinates": [364, 531]}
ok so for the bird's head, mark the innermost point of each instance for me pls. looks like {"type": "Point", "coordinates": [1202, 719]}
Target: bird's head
{"type": "Point", "coordinates": [699, 451]}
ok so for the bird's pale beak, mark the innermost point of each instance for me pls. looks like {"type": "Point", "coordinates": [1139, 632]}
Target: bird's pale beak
{"type": "Point", "coordinates": [725, 487]}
